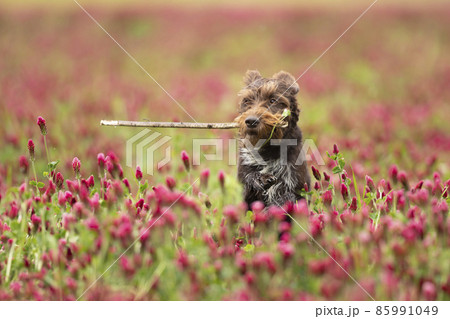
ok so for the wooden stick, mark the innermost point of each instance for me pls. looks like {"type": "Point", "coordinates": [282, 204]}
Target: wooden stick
{"type": "Point", "coordinates": [171, 124]}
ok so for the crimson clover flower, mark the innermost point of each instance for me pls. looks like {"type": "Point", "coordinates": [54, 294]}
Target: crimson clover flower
{"type": "Point", "coordinates": [76, 165]}
{"type": "Point", "coordinates": [316, 173]}
{"type": "Point", "coordinates": [204, 176]}
{"type": "Point", "coordinates": [182, 259]}
{"type": "Point", "coordinates": [23, 164]}
{"type": "Point", "coordinates": [222, 180]}
{"type": "Point", "coordinates": [170, 182]}
{"type": "Point", "coordinates": [185, 159]}
{"type": "Point", "coordinates": [353, 205]}
{"type": "Point", "coordinates": [327, 198]}
{"type": "Point", "coordinates": [370, 183]}
{"type": "Point", "coordinates": [42, 126]}
{"type": "Point", "coordinates": [31, 149]}
{"type": "Point", "coordinates": [138, 173]}
{"type": "Point", "coordinates": [393, 173]}
{"type": "Point", "coordinates": [335, 149]}
{"type": "Point", "coordinates": [344, 191]}
{"type": "Point", "coordinates": [429, 291]}
{"type": "Point", "coordinates": [92, 223]}
{"type": "Point", "coordinates": [231, 213]}
{"type": "Point", "coordinates": [59, 180]}
{"type": "Point", "coordinates": [101, 160]}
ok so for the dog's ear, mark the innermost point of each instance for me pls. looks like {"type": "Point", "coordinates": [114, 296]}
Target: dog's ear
{"type": "Point", "coordinates": [251, 76]}
{"type": "Point", "coordinates": [288, 80]}
{"type": "Point", "coordinates": [295, 113]}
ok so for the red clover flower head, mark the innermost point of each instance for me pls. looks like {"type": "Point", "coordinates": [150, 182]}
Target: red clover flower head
{"type": "Point", "coordinates": [42, 126]}
{"type": "Point", "coordinates": [402, 177]}
{"type": "Point", "coordinates": [370, 183]}
{"type": "Point", "coordinates": [306, 187]}
{"type": "Point", "coordinates": [23, 164]}
{"type": "Point", "coordinates": [182, 260]}
{"type": "Point", "coordinates": [90, 181]}
{"type": "Point", "coordinates": [257, 207]}
{"type": "Point", "coordinates": [327, 198]}
{"type": "Point", "coordinates": [429, 291]}
{"type": "Point", "coordinates": [15, 287]}
{"type": "Point", "coordinates": [316, 173]}
{"type": "Point", "coordinates": [92, 223]}
{"type": "Point", "coordinates": [185, 159]}
{"type": "Point", "coordinates": [170, 182]}
{"type": "Point", "coordinates": [231, 213]}
{"type": "Point", "coordinates": [36, 220]}
{"type": "Point", "coordinates": [101, 160]}
{"type": "Point", "coordinates": [354, 204]}
{"type": "Point", "coordinates": [287, 250]}
{"type": "Point", "coordinates": [204, 176]}
{"type": "Point", "coordinates": [76, 165]}
{"type": "Point", "coordinates": [393, 173]}
{"type": "Point", "coordinates": [31, 149]}
{"type": "Point", "coordinates": [335, 149]}
{"type": "Point", "coordinates": [222, 180]}
{"type": "Point", "coordinates": [344, 191]}
{"type": "Point", "coordinates": [138, 173]}
{"type": "Point", "coordinates": [59, 180]}
{"type": "Point", "coordinates": [127, 184]}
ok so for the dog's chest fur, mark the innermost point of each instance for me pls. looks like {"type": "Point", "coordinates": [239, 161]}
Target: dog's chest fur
{"type": "Point", "coordinates": [284, 188]}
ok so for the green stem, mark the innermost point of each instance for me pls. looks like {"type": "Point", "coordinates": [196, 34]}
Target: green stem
{"type": "Point", "coordinates": [273, 130]}
{"type": "Point", "coordinates": [46, 151]}
{"type": "Point", "coordinates": [377, 219]}
{"type": "Point", "coordinates": [337, 163]}
{"type": "Point", "coordinates": [138, 195]}
{"type": "Point", "coordinates": [102, 178]}
{"type": "Point", "coordinates": [10, 257]}
{"type": "Point", "coordinates": [189, 181]}
{"type": "Point", "coordinates": [270, 136]}
{"type": "Point", "coordinates": [443, 192]}
{"type": "Point", "coordinates": [43, 232]}
{"type": "Point", "coordinates": [35, 178]}
{"type": "Point", "coordinates": [60, 271]}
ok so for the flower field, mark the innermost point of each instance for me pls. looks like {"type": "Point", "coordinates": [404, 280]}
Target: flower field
{"type": "Point", "coordinates": [77, 224]}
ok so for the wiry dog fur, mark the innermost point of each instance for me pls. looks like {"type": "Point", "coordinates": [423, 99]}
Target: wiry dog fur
{"type": "Point", "coordinates": [272, 181]}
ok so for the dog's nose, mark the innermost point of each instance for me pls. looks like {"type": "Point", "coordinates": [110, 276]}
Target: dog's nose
{"type": "Point", "coordinates": [252, 121]}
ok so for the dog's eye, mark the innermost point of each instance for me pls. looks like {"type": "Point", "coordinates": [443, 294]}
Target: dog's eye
{"type": "Point", "coordinates": [272, 101]}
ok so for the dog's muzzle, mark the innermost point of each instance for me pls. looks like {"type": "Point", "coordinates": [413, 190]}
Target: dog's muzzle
{"type": "Point", "coordinates": [252, 121]}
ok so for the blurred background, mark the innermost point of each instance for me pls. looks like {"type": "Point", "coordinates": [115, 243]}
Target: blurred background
{"type": "Point", "coordinates": [381, 92]}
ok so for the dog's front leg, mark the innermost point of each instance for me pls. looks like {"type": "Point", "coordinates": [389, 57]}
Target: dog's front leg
{"type": "Point", "coordinates": [255, 181]}
{"type": "Point", "coordinates": [255, 184]}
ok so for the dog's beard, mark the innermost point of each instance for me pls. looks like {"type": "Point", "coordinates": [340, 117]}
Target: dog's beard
{"type": "Point", "coordinates": [262, 133]}
{"type": "Point", "coordinates": [271, 126]}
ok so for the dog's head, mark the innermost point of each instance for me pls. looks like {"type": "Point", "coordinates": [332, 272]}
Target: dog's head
{"type": "Point", "coordinates": [267, 106]}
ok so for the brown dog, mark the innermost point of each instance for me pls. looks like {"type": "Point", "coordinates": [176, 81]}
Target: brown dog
{"type": "Point", "coordinates": [272, 166]}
